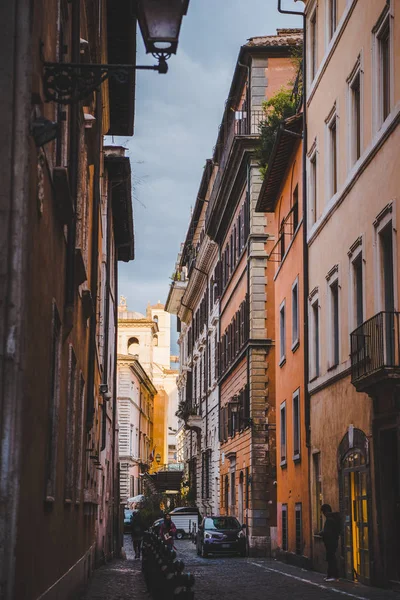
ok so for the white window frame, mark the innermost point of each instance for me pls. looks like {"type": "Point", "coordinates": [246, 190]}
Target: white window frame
{"type": "Point", "coordinates": [312, 16]}
{"type": "Point", "coordinates": [330, 34]}
{"type": "Point", "coordinates": [314, 304]}
{"type": "Point", "coordinates": [385, 217]}
{"type": "Point", "coordinates": [295, 339]}
{"type": "Point", "coordinates": [357, 72]}
{"type": "Point", "coordinates": [296, 398]}
{"type": "Point", "coordinates": [313, 185]}
{"type": "Point", "coordinates": [331, 121]}
{"type": "Point", "coordinates": [332, 279]}
{"type": "Point", "coordinates": [386, 18]}
{"type": "Point", "coordinates": [283, 460]}
{"type": "Point", "coordinates": [282, 333]}
{"type": "Point", "coordinates": [355, 253]}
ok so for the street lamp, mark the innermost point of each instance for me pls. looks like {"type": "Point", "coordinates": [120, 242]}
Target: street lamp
{"type": "Point", "coordinates": [160, 23]}
{"type": "Point", "coordinates": [158, 458]}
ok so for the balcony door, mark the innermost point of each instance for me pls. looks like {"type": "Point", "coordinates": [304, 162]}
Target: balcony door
{"type": "Point", "coordinates": [386, 244]}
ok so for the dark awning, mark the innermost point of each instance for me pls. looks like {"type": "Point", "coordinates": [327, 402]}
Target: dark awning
{"type": "Point", "coordinates": [119, 176]}
{"type": "Point", "coordinates": [121, 44]}
{"type": "Point", "coordinates": [286, 141]}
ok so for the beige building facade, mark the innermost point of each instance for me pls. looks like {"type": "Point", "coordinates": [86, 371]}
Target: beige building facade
{"type": "Point", "coordinates": [353, 111]}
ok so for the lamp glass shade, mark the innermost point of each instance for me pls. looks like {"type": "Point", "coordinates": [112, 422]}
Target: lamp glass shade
{"type": "Point", "coordinates": [158, 458]}
{"type": "Point", "coordinates": [160, 23]}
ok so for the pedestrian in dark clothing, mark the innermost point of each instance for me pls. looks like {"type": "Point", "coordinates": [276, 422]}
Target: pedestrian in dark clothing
{"type": "Point", "coordinates": [330, 536]}
{"type": "Point", "coordinates": [168, 530]}
{"type": "Point", "coordinates": [137, 530]}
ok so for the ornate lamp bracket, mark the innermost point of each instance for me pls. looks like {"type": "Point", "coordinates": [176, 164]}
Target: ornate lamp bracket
{"type": "Point", "coordinates": [70, 83]}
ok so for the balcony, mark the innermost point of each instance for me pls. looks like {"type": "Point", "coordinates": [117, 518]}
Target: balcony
{"type": "Point", "coordinates": [176, 292]}
{"type": "Point", "coordinates": [239, 124]}
{"type": "Point", "coordinates": [375, 352]}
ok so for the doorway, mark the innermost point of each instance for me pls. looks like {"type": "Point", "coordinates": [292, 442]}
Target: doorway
{"type": "Point", "coordinates": [240, 498]}
{"type": "Point", "coordinates": [355, 511]}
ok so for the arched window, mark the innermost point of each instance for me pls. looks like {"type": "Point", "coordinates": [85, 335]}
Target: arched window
{"type": "Point", "coordinates": [155, 319]}
{"type": "Point", "coordinates": [133, 345]}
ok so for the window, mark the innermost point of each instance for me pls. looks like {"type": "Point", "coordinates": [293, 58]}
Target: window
{"type": "Point", "coordinates": [282, 239]}
{"type": "Point", "coordinates": [383, 62]}
{"type": "Point", "coordinates": [70, 428]}
{"type": "Point", "coordinates": [313, 45]}
{"type": "Point", "coordinates": [233, 489]}
{"type": "Point", "coordinates": [295, 314]}
{"type": "Point", "coordinates": [333, 155]}
{"type": "Point", "coordinates": [335, 350]}
{"type": "Point", "coordinates": [332, 18]}
{"type": "Point", "coordinates": [313, 187]}
{"type": "Point", "coordinates": [299, 528]}
{"type": "Point", "coordinates": [54, 405]}
{"type": "Point", "coordinates": [206, 473]}
{"type": "Point", "coordinates": [296, 425]}
{"type": "Point", "coordinates": [284, 528]}
{"type": "Point", "coordinates": [358, 293]}
{"type": "Point", "coordinates": [295, 208]}
{"type": "Point", "coordinates": [355, 116]}
{"type": "Point", "coordinates": [133, 345]}
{"type": "Point", "coordinates": [282, 334]}
{"type": "Point", "coordinates": [317, 492]}
{"type": "Point", "coordinates": [315, 339]}
{"type": "Point", "coordinates": [226, 494]}
{"type": "Point", "coordinates": [283, 433]}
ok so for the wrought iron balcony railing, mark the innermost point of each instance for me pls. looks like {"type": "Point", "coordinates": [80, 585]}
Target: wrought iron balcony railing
{"type": "Point", "coordinates": [375, 350]}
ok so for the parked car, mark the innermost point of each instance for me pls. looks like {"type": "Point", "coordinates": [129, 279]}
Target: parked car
{"type": "Point", "coordinates": [128, 512]}
{"type": "Point", "coordinates": [186, 519]}
{"type": "Point", "coordinates": [221, 534]}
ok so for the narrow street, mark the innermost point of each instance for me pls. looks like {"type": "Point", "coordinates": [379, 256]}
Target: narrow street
{"type": "Point", "coordinates": [227, 578]}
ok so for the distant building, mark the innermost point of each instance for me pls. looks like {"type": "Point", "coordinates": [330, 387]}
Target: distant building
{"type": "Point", "coordinates": [147, 338]}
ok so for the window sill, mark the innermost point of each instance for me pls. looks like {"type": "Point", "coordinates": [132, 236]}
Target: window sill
{"type": "Point", "coordinates": [295, 345]}
{"type": "Point", "coordinates": [282, 361]}
{"type": "Point", "coordinates": [283, 464]}
{"type": "Point", "coordinates": [297, 458]}
{"type": "Point", "coordinates": [333, 367]}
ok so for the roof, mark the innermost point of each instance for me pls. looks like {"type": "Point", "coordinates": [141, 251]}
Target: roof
{"type": "Point", "coordinates": [121, 46]}
{"type": "Point", "coordinates": [119, 176]}
{"type": "Point", "coordinates": [268, 45]}
{"type": "Point", "coordinates": [284, 37]}
{"type": "Point", "coordinates": [278, 162]}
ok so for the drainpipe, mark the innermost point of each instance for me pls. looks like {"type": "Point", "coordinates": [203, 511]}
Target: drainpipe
{"type": "Point", "coordinates": [115, 453]}
{"type": "Point", "coordinates": [106, 325]}
{"type": "Point", "coordinates": [94, 269]}
{"type": "Point", "coordinates": [73, 173]}
{"type": "Point", "coordinates": [305, 258]}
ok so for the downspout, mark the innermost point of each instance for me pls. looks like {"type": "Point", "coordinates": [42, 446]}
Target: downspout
{"type": "Point", "coordinates": [106, 323]}
{"type": "Point", "coordinates": [73, 174]}
{"type": "Point", "coordinates": [94, 267]}
{"type": "Point", "coordinates": [305, 260]}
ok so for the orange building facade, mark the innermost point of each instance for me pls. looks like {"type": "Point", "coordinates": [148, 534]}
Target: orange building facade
{"type": "Point", "coordinates": [281, 194]}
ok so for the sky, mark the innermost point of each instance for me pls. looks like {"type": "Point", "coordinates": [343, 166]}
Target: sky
{"type": "Point", "coordinates": [176, 124]}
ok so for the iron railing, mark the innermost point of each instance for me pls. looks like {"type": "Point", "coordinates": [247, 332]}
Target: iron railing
{"type": "Point", "coordinates": [238, 124]}
{"type": "Point", "coordinates": [375, 345]}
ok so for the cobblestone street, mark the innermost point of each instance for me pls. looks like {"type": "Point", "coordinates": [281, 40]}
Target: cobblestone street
{"type": "Point", "coordinates": [227, 578]}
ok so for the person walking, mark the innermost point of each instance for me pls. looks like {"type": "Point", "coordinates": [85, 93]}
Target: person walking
{"type": "Point", "coordinates": [330, 536]}
{"type": "Point", "coordinates": [137, 530]}
{"type": "Point", "coordinates": [168, 530]}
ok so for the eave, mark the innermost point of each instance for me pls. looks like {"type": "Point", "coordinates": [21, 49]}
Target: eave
{"type": "Point", "coordinates": [286, 141]}
{"type": "Point", "coordinates": [121, 46]}
{"type": "Point", "coordinates": [119, 175]}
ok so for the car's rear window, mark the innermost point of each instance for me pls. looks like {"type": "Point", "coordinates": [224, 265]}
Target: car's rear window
{"type": "Point", "coordinates": [221, 523]}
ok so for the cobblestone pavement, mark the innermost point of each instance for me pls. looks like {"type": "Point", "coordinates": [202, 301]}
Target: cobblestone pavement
{"type": "Point", "coordinates": [118, 580]}
{"type": "Point", "coordinates": [227, 578]}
